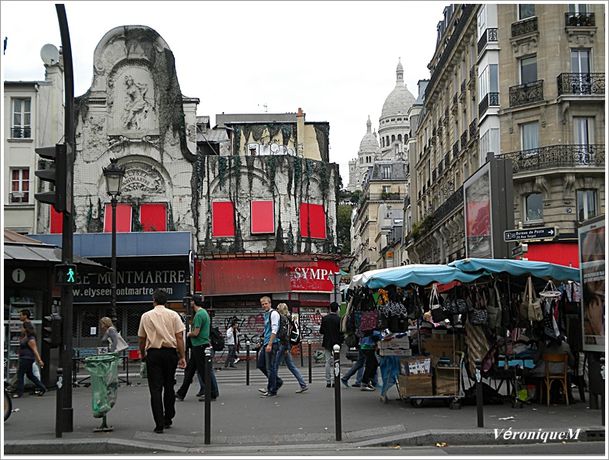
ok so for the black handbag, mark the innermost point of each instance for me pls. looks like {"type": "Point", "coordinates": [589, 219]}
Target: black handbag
{"type": "Point", "coordinates": [478, 316]}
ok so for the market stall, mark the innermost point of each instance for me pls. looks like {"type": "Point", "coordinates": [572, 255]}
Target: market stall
{"type": "Point", "coordinates": [478, 313]}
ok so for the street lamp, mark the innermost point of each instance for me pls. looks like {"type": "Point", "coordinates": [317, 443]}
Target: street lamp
{"type": "Point", "coordinates": [114, 177]}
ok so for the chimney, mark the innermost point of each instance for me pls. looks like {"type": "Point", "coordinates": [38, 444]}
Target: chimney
{"type": "Point", "coordinates": [300, 132]}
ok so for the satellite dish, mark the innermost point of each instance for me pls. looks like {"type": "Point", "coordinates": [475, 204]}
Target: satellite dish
{"type": "Point", "coordinates": [49, 54]}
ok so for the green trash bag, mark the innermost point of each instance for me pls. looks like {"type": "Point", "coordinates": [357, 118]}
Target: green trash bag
{"type": "Point", "coordinates": [104, 381]}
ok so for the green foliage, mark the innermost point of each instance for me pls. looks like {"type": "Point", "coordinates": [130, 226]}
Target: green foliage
{"type": "Point", "coordinates": [343, 228]}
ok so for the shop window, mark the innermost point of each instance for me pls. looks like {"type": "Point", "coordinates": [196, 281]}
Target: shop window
{"type": "Point", "coordinates": [153, 217]}
{"type": "Point", "coordinates": [262, 217]}
{"type": "Point", "coordinates": [56, 221]}
{"type": "Point", "coordinates": [534, 207]}
{"type": "Point", "coordinates": [586, 205]}
{"type": "Point", "coordinates": [123, 218]}
{"type": "Point", "coordinates": [312, 221]}
{"type": "Point", "coordinates": [223, 221]}
{"type": "Point", "coordinates": [20, 185]}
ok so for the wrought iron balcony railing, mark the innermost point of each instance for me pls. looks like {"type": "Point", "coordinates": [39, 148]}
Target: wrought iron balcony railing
{"type": "Point", "coordinates": [581, 83]}
{"type": "Point", "coordinates": [456, 149]}
{"type": "Point", "coordinates": [526, 93]}
{"type": "Point", "coordinates": [489, 35]}
{"type": "Point", "coordinates": [579, 19]}
{"type": "Point", "coordinates": [557, 156]}
{"type": "Point", "coordinates": [473, 128]}
{"type": "Point", "coordinates": [489, 100]}
{"type": "Point", "coordinates": [21, 132]}
{"type": "Point", "coordinates": [451, 205]}
{"type": "Point", "coordinates": [524, 27]}
{"type": "Point", "coordinates": [464, 139]}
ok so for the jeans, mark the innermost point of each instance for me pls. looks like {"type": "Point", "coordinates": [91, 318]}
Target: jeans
{"type": "Point", "coordinates": [198, 354]}
{"type": "Point", "coordinates": [189, 373]}
{"type": "Point", "coordinates": [283, 353]}
{"type": "Point", "coordinates": [265, 364]}
{"type": "Point", "coordinates": [231, 356]}
{"type": "Point", "coordinates": [358, 369]}
{"type": "Point", "coordinates": [161, 364]}
{"type": "Point", "coordinates": [26, 368]}
{"type": "Point", "coordinates": [329, 354]}
{"type": "Point", "coordinates": [371, 366]}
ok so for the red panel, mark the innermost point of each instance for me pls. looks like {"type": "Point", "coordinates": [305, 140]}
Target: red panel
{"type": "Point", "coordinates": [197, 275]}
{"type": "Point", "coordinates": [556, 253]}
{"type": "Point", "coordinates": [242, 276]}
{"type": "Point", "coordinates": [123, 218]}
{"type": "Point", "coordinates": [312, 220]}
{"type": "Point", "coordinates": [153, 217]}
{"type": "Point", "coordinates": [223, 219]}
{"type": "Point", "coordinates": [312, 276]}
{"type": "Point", "coordinates": [262, 217]}
{"type": "Point", "coordinates": [56, 221]}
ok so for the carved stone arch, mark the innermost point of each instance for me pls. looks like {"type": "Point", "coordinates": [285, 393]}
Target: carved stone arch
{"type": "Point", "coordinates": [257, 173]}
{"type": "Point", "coordinates": [144, 178]}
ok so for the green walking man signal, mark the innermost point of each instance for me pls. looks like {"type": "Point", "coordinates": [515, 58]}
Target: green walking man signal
{"type": "Point", "coordinates": [65, 275]}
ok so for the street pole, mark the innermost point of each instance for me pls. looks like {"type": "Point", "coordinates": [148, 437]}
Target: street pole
{"type": "Point", "coordinates": [67, 249]}
{"type": "Point", "coordinates": [337, 408]}
{"type": "Point", "coordinates": [310, 363]}
{"type": "Point", "coordinates": [208, 395]}
{"type": "Point", "coordinates": [479, 397]}
{"type": "Point", "coordinates": [247, 362]}
{"type": "Point", "coordinates": [113, 202]}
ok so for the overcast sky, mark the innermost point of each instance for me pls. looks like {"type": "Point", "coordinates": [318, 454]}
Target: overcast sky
{"type": "Point", "coordinates": [336, 60]}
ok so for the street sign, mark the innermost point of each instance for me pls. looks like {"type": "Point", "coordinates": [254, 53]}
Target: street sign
{"type": "Point", "coordinates": [528, 234]}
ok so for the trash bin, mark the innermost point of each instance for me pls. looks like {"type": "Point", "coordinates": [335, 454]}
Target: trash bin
{"type": "Point", "coordinates": [104, 381]}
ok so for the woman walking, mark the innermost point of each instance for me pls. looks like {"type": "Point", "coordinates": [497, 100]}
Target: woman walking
{"type": "Point", "coordinates": [285, 353]}
{"type": "Point", "coordinates": [28, 353]}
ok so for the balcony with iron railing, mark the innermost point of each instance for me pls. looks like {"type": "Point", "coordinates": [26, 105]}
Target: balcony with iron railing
{"type": "Point", "coordinates": [462, 94]}
{"type": "Point", "coordinates": [524, 27]}
{"type": "Point", "coordinates": [386, 196]}
{"type": "Point", "coordinates": [21, 132]}
{"type": "Point", "coordinates": [581, 84]}
{"type": "Point", "coordinates": [456, 149]}
{"type": "Point", "coordinates": [580, 20]}
{"type": "Point", "coordinates": [489, 35]}
{"type": "Point", "coordinates": [464, 139]}
{"type": "Point", "coordinates": [450, 206]}
{"type": "Point", "coordinates": [526, 93]}
{"type": "Point", "coordinates": [557, 156]}
{"type": "Point", "coordinates": [473, 128]}
{"type": "Point", "coordinates": [447, 159]}
{"type": "Point", "coordinates": [489, 100]}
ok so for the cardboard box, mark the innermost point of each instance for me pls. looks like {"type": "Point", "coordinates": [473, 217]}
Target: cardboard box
{"type": "Point", "coordinates": [387, 351]}
{"type": "Point", "coordinates": [447, 380]}
{"type": "Point", "coordinates": [415, 365]}
{"type": "Point", "coordinates": [415, 385]}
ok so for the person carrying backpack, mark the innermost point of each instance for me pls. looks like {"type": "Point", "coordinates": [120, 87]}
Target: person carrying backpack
{"type": "Point", "coordinates": [284, 353]}
{"type": "Point", "coordinates": [231, 341]}
{"type": "Point", "coordinates": [268, 350]}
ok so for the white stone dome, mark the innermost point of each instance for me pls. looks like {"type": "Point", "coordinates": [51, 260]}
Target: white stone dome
{"type": "Point", "coordinates": [400, 99]}
{"type": "Point", "coordinates": [369, 143]}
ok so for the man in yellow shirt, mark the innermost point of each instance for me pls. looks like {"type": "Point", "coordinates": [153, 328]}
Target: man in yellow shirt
{"type": "Point", "coordinates": [161, 340]}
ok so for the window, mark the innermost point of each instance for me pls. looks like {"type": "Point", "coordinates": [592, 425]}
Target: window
{"type": "Point", "coordinates": [482, 13]}
{"type": "Point", "coordinates": [528, 69]}
{"type": "Point", "coordinates": [533, 207]}
{"type": "Point", "coordinates": [530, 137]}
{"type": "Point", "coordinates": [578, 8]}
{"type": "Point", "coordinates": [312, 221]}
{"type": "Point", "coordinates": [223, 220]}
{"type": "Point", "coordinates": [153, 217]}
{"type": "Point", "coordinates": [586, 204]}
{"type": "Point", "coordinates": [399, 138]}
{"type": "Point", "coordinates": [393, 138]}
{"type": "Point", "coordinates": [262, 217]}
{"type": "Point", "coordinates": [123, 217]}
{"type": "Point", "coordinates": [22, 119]}
{"type": "Point", "coordinates": [20, 185]}
{"type": "Point", "coordinates": [526, 11]}
{"type": "Point", "coordinates": [386, 188]}
{"type": "Point", "coordinates": [386, 172]}
{"type": "Point", "coordinates": [583, 130]}
{"type": "Point", "coordinates": [580, 60]}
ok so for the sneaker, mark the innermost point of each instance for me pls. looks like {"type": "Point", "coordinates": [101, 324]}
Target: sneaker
{"type": "Point", "coordinates": [15, 396]}
{"type": "Point", "coordinates": [167, 425]}
{"type": "Point", "coordinates": [180, 398]}
{"type": "Point", "coordinates": [40, 392]}
{"type": "Point", "coordinates": [268, 395]}
{"type": "Point", "coordinates": [158, 429]}
{"type": "Point", "coordinates": [302, 390]}
{"type": "Point", "coordinates": [345, 383]}
{"type": "Point", "coordinates": [356, 385]}
{"type": "Point", "coordinates": [237, 360]}
{"type": "Point", "coordinates": [262, 390]}
{"type": "Point", "coordinates": [329, 385]}
{"type": "Point", "coordinates": [199, 394]}
{"type": "Point", "coordinates": [367, 388]}
{"type": "Point", "coordinates": [202, 399]}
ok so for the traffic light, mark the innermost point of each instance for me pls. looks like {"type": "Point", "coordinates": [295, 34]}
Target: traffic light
{"type": "Point", "coordinates": [51, 330]}
{"type": "Point", "coordinates": [65, 275]}
{"type": "Point", "coordinates": [56, 173]}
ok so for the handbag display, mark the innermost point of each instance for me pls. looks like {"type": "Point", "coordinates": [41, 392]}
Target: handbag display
{"type": "Point", "coordinates": [530, 308]}
{"type": "Point", "coordinates": [437, 312]}
{"type": "Point", "coordinates": [121, 344]}
{"type": "Point", "coordinates": [368, 320]}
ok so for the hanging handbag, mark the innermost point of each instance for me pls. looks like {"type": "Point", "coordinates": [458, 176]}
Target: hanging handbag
{"type": "Point", "coordinates": [478, 316]}
{"type": "Point", "coordinates": [121, 344]}
{"type": "Point", "coordinates": [437, 312]}
{"type": "Point", "coordinates": [533, 303]}
{"type": "Point", "coordinates": [368, 321]}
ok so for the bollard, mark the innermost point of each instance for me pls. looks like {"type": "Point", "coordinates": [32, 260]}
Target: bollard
{"type": "Point", "coordinates": [208, 365]}
{"type": "Point", "coordinates": [310, 363]}
{"type": "Point", "coordinates": [247, 362]}
{"type": "Point", "coordinates": [603, 393]}
{"type": "Point", "coordinates": [59, 404]}
{"type": "Point", "coordinates": [337, 414]}
{"type": "Point", "coordinates": [479, 399]}
{"type": "Point", "coordinates": [301, 354]}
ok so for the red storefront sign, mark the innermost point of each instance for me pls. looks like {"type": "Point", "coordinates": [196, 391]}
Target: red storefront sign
{"type": "Point", "coordinates": [555, 253]}
{"type": "Point", "coordinates": [265, 276]}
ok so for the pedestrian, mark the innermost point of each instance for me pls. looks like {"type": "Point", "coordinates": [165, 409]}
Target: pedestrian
{"type": "Point", "coordinates": [28, 353]}
{"type": "Point", "coordinates": [161, 342]}
{"type": "Point", "coordinates": [189, 373]}
{"type": "Point", "coordinates": [231, 343]}
{"type": "Point", "coordinates": [269, 348]}
{"type": "Point", "coordinates": [111, 336]}
{"type": "Point", "coordinates": [368, 345]}
{"type": "Point", "coordinates": [284, 350]}
{"type": "Point", "coordinates": [199, 335]}
{"type": "Point", "coordinates": [358, 368]}
{"type": "Point", "coordinates": [25, 316]}
{"type": "Point", "coordinates": [330, 329]}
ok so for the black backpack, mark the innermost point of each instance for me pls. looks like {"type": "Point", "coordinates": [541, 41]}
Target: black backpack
{"type": "Point", "coordinates": [283, 333]}
{"type": "Point", "coordinates": [216, 339]}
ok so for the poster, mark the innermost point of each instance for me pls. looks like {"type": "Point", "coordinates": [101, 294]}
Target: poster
{"type": "Point", "coordinates": [592, 273]}
{"type": "Point", "coordinates": [477, 210]}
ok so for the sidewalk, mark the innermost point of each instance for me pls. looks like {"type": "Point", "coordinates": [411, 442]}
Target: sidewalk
{"type": "Point", "coordinates": [241, 418]}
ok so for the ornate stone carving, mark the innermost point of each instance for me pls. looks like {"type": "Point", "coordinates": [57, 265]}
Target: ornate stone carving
{"type": "Point", "coordinates": [95, 132]}
{"type": "Point", "coordinates": [142, 177]}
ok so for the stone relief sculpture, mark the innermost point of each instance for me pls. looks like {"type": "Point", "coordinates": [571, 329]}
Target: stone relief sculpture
{"type": "Point", "coordinates": [136, 105]}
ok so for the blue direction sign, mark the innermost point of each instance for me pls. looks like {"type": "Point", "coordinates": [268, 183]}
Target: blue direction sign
{"type": "Point", "coordinates": [529, 234]}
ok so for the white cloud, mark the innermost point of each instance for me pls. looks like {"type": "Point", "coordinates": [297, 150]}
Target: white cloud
{"type": "Point", "coordinates": [336, 60]}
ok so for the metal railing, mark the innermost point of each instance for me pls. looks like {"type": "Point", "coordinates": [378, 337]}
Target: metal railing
{"type": "Point", "coordinates": [21, 132]}
{"type": "Point", "coordinates": [579, 19]}
{"type": "Point", "coordinates": [464, 139]}
{"type": "Point", "coordinates": [385, 196]}
{"type": "Point", "coordinates": [557, 156]}
{"type": "Point", "coordinates": [450, 206]}
{"type": "Point", "coordinates": [526, 93]}
{"type": "Point", "coordinates": [489, 35]}
{"type": "Point", "coordinates": [489, 100]}
{"type": "Point", "coordinates": [456, 149]}
{"type": "Point", "coordinates": [473, 128]}
{"type": "Point", "coordinates": [524, 27]}
{"type": "Point", "coordinates": [581, 83]}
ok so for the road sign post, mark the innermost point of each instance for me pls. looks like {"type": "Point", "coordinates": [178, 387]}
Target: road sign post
{"type": "Point", "coordinates": [529, 234]}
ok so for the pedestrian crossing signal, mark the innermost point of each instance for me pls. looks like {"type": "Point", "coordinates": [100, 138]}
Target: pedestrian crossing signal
{"type": "Point", "coordinates": [65, 275]}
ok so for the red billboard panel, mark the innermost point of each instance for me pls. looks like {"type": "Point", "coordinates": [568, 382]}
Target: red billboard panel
{"type": "Point", "coordinates": [312, 221]}
{"type": "Point", "coordinates": [123, 218]}
{"type": "Point", "coordinates": [223, 221]}
{"type": "Point", "coordinates": [262, 217]}
{"type": "Point", "coordinates": [153, 217]}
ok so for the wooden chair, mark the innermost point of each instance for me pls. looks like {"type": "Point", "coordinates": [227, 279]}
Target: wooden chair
{"type": "Point", "coordinates": [556, 367]}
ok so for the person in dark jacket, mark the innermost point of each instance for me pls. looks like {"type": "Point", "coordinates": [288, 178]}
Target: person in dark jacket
{"type": "Point", "coordinates": [330, 330]}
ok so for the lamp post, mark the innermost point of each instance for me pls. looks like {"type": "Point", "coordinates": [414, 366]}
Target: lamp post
{"type": "Point", "coordinates": [114, 177]}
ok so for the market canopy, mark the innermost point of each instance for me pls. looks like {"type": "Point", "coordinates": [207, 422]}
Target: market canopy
{"type": "Point", "coordinates": [543, 270]}
{"type": "Point", "coordinates": [421, 274]}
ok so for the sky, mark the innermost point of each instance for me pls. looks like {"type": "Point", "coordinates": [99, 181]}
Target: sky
{"type": "Point", "coordinates": [335, 60]}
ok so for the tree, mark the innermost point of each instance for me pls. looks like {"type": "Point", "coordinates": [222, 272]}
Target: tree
{"type": "Point", "coordinates": [343, 228]}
